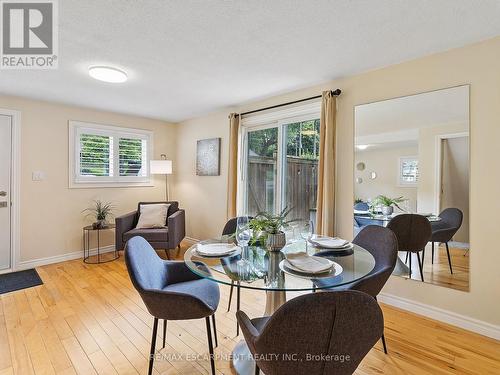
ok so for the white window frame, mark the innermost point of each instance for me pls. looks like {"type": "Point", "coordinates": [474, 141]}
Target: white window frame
{"type": "Point", "coordinates": [76, 128]}
{"type": "Point", "coordinates": [265, 120]}
{"type": "Point", "coordinates": [401, 182]}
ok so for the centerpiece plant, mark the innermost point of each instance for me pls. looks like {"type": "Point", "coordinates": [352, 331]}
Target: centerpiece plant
{"type": "Point", "coordinates": [267, 229]}
{"type": "Point", "coordinates": [387, 204]}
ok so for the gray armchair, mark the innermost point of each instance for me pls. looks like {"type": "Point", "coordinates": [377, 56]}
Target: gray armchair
{"type": "Point", "coordinates": [165, 238]}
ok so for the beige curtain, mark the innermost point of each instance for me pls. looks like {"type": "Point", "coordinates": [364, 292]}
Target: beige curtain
{"type": "Point", "coordinates": [325, 215]}
{"type": "Point", "coordinates": [232, 173]}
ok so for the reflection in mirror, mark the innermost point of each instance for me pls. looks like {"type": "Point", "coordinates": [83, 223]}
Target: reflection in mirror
{"type": "Point", "coordinates": [419, 146]}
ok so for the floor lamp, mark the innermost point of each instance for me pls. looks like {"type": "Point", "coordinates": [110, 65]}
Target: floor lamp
{"type": "Point", "coordinates": [162, 166]}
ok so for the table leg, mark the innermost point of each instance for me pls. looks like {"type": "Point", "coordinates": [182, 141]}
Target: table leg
{"type": "Point", "coordinates": [242, 361]}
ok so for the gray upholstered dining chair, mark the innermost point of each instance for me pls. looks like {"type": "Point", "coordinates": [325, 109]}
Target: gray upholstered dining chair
{"type": "Point", "coordinates": [306, 329]}
{"type": "Point", "coordinates": [383, 246]}
{"type": "Point", "coordinates": [444, 229]}
{"type": "Point", "coordinates": [413, 233]}
{"type": "Point", "coordinates": [230, 229]}
{"type": "Point", "coordinates": [170, 291]}
{"type": "Point", "coordinates": [167, 237]}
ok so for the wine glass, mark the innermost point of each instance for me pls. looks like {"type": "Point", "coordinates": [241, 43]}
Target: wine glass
{"type": "Point", "coordinates": [242, 231]}
{"type": "Point", "coordinates": [306, 231]}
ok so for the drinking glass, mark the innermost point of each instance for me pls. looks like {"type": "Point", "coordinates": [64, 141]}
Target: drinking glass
{"type": "Point", "coordinates": [306, 231]}
{"type": "Point", "coordinates": [242, 231]}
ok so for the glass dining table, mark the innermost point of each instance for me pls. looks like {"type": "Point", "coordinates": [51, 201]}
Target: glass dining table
{"type": "Point", "coordinates": [256, 268]}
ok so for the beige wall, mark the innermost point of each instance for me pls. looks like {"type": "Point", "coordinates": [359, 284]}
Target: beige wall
{"type": "Point", "coordinates": [427, 163]}
{"type": "Point", "coordinates": [384, 162]}
{"type": "Point", "coordinates": [51, 218]}
{"type": "Point", "coordinates": [477, 65]}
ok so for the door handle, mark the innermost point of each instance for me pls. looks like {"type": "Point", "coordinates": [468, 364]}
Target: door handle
{"type": "Point", "coordinates": [3, 193]}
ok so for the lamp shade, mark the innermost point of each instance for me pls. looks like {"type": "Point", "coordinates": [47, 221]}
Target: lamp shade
{"type": "Point", "coordinates": [161, 166]}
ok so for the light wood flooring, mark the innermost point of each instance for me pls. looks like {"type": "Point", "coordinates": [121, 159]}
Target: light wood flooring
{"type": "Point", "coordinates": [87, 319]}
{"type": "Point", "coordinates": [439, 272]}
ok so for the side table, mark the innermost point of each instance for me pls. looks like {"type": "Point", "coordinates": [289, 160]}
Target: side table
{"type": "Point", "coordinates": [87, 257]}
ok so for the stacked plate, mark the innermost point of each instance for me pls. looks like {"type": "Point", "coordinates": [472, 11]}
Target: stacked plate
{"type": "Point", "coordinates": [216, 249]}
{"type": "Point", "coordinates": [304, 265]}
{"type": "Point", "coordinates": [331, 243]}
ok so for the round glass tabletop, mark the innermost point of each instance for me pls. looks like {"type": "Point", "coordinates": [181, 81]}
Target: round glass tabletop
{"type": "Point", "coordinates": [255, 268]}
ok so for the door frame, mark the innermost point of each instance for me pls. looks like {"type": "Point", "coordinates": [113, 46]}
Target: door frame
{"type": "Point", "coordinates": [15, 189]}
{"type": "Point", "coordinates": [439, 165]}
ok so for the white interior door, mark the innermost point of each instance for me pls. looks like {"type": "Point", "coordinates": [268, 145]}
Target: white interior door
{"type": "Point", "coordinates": [5, 191]}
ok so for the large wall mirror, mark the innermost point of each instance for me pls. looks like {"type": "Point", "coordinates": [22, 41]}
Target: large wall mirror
{"type": "Point", "coordinates": [415, 152]}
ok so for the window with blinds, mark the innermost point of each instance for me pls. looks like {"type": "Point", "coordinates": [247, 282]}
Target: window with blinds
{"type": "Point", "coordinates": [108, 156]}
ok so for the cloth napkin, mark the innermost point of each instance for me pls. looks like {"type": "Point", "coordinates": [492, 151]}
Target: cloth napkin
{"type": "Point", "coordinates": [307, 263]}
{"type": "Point", "coordinates": [329, 242]}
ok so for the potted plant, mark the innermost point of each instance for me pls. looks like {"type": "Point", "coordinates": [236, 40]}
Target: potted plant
{"type": "Point", "coordinates": [267, 229]}
{"type": "Point", "coordinates": [100, 211]}
{"type": "Point", "coordinates": [387, 204]}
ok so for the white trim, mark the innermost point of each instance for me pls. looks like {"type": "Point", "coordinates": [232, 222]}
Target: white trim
{"type": "Point", "coordinates": [15, 193]}
{"type": "Point", "coordinates": [76, 127]}
{"type": "Point", "coordinates": [27, 264]}
{"type": "Point", "coordinates": [442, 315]}
{"type": "Point", "coordinates": [275, 115]}
{"type": "Point", "coordinates": [438, 160]}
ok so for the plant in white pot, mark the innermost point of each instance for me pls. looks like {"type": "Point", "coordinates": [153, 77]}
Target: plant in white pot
{"type": "Point", "coordinates": [267, 229]}
{"type": "Point", "coordinates": [100, 211]}
{"type": "Point", "coordinates": [387, 204]}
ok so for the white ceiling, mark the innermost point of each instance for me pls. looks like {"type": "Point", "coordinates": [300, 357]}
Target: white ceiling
{"type": "Point", "coordinates": [186, 58]}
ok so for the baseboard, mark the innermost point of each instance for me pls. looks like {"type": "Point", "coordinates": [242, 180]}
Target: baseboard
{"type": "Point", "coordinates": [445, 316]}
{"type": "Point", "coordinates": [60, 258]}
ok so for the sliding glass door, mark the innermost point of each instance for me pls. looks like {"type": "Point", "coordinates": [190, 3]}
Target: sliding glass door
{"type": "Point", "coordinates": [280, 167]}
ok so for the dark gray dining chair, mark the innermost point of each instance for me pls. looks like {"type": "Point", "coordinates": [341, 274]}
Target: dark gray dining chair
{"type": "Point", "coordinates": [413, 233]}
{"type": "Point", "coordinates": [229, 230]}
{"type": "Point", "coordinates": [382, 244]}
{"type": "Point", "coordinates": [306, 329]}
{"type": "Point", "coordinates": [444, 229]}
{"type": "Point", "coordinates": [170, 291]}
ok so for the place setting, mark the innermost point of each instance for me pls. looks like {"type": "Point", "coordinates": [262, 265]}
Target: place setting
{"type": "Point", "coordinates": [330, 244]}
{"type": "Point", "coordinates": [216, 250]}
{"type": "Point", "coordinates": [308, 266]}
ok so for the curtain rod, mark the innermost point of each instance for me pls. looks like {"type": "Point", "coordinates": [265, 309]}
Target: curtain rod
{"type": "Point", "coordinates": [334, 92]}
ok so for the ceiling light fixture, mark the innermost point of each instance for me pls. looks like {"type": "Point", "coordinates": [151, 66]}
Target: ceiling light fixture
{"type": "Point", "coordinates": [362, 147]}
{"type": "Point", "coordinates": [107, 74]}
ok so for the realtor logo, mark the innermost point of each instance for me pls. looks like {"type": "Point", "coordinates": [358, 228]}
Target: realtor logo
{"type": "Point", "coordinates": [29, 34]}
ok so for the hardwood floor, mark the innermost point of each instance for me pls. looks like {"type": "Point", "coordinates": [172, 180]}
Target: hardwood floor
{"type": "Point", "coordinates": [439, 272]}
{"type": "Point", "coordinates": [87, 319]}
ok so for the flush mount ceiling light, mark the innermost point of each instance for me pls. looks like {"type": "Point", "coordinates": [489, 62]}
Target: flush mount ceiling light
{"type": "Point", "coordinates": [107, 74]}
{"type": "Point", "coordinates": [362, 147]}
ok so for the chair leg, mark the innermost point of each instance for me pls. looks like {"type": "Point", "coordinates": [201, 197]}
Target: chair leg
{"type": "Point", "coordinates": [167, 254]}
{"type": "Point", "coordinates": [215, 330]}
{"type": "Point", "coordinates": [164, 332]}
{"type": "Point", "coordinates": [257, 369]}
{"type": "Point", "coordinates": [420, 266]}
{"type": "Point", "coordinates": [210, 346]}
{"type": "Point", "coordinates": [153, 345]}
{"type": "Point", "coordinates": [432, 252]}
{"type": "Point", "coordinates": [384, 344]}
{"type": "Point", "coordinates": [409, 275]}
{"type": "Point", "coordinates": [230, 296]}
{"type": "Point", "coordinates": [406, 259]}
{"type": "Point", "coordinates": [423, 257]}
{"type": "Point", "coordinates": [237, 307]}
{"type": "Point", "coordinates": [449, 259]}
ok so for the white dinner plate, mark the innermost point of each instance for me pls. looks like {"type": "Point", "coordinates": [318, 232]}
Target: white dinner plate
{"type": "Point", "coordinates": [216, 249]}
{"type": "Point", "coordinates": [288, 268]}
